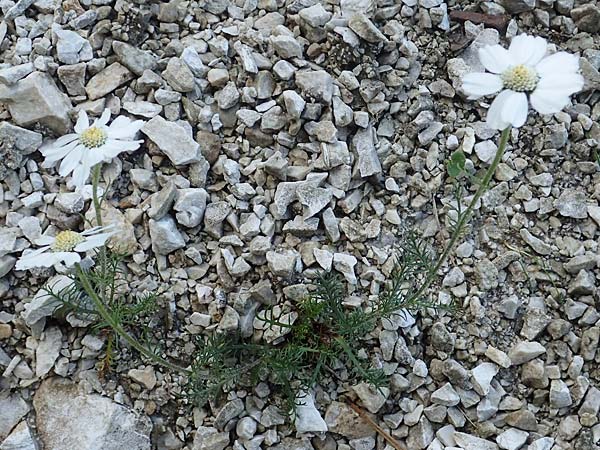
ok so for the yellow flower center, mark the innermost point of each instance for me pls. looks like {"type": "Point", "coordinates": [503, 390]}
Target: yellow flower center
{"type": "Point", "coordinates": [93, 137]}
{"type": "Point", "coordinates": [520, 78]}
{"type": "Point", "coordinates": [66, 241]}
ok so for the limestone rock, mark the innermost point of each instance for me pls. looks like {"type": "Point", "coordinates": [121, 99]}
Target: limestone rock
{"type": "Point", "coordinates": [173, 140]}
{"type": "Point", "coordinates": [37, 99]}
{"type": "Point", "coordinates": [69, 419]}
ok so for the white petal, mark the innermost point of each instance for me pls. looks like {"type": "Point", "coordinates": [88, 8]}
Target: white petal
{"type": "Point", "coordinates": [63, 140]}
{"type": "Point", "coordinates": [69, 258]}
{"type": "Point", "coordinates": [98, 240]}
{"type": "Point", "coordinates": [37, 259]}
{"type": "Point", "coordinates": [494, 116]}
{"type": "Point", "coordinates": [479, 84]}
{"type": "Point", "coordinates": [44, 239]}
{"type": "Point", "coordinates": [68, 163]}
{"type": "Point", "coordinates": [561, 84]}
{"type": "Point", "coordinates": [495, 58]}
{"type": "Point", "coordinates": [51, 159]}
{"type": "Point", "coordinates": [515, 109]}
{"type": "Point", "coordinates": [82, 122]}
{"type": "Point", "coordinates": [123, 128]}
{"type": "Point", "coordinates": [97, 229]}
{"type": "Point", "coordinates": [561, 62]}
{"type": "Point", "coordinates": [81, 174]}
{"type": "Point", "coordinates": [529, 50]}
{"type": "Point", "coordinates": [547, 102]}
{"type": "Point", "coordinates": [113, 148]}
{"type": "Point", "coordinates": [104, 118]}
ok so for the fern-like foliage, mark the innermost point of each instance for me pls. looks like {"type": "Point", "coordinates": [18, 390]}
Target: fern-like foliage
{"type": "Point", "coordinates": [128, 310]}
{"type": "Point", "coordinates": [323, 336]}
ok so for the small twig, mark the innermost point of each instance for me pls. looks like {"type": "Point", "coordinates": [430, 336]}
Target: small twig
{"type": "Point", "coordinates": [390, 440]}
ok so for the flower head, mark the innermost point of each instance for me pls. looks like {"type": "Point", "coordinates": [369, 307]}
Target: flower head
{"type": "Point", "coordinates": [523, 74]}
{"type": "Point", "coordinates": [65, 247]}
{"type": "Point", "coordinates": [91, 144]}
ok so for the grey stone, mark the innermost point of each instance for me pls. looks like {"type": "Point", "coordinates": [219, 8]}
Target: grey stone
{"type": "Point", "coordinates": [307, 418]}
{"type": "Point", "coordinates": [165, 236]}
{"type": "Point", "coordinates": [345, 263]}
{"type": "Point", "coordinates": [17, 9]}
{"type": "Point", "coordinates": [246, 428]}
{"type": "Point", "coordinates": [42, 304]}
{"type": "Point", "coordinates": [587, 17]}
{"type": "Point", "coordinates": [535, 243]}
{"type": "Point", "coordinates": [67, 418]}
{"type": "Point", "coordinates": [315, 15]}
{"type": "Point", "coordinates": [12, 74]}
{"type": "Point", "coordinates": [190, 206]}
{"type": "Point", "coordinates": [71, 48]}
{"type": "Point", "coordinates": [173, 140]}
{"type": "Point", "coordinates": [208, 438]}
{"type": "Point", "coordinates": [108, 80]}
{"type": "Point", "coordinates": [317, 84]}
{"type": "Point", "coordinates": [362, 25]}
{"type": "Point", "coordinates": [47, 351]}
{"type": "Point", "coordinates": [142, 109]}
{"type": "Point", "coordinates": [284, 263]}
{"type": "Point", "coordinates": [245, 54]}
{"type": "Point", "coordinates": [294, 103]}
{"type": "Point", "coordinates": [572, 203]}
{"type": "Point", "coordinates": [228, 412]}
{"type": "Point", "coordinates": [214, 216]}
{"type": "Point", "coordinates": [69, 202]}
{"type": "Point", "coordinates": [37, 99]}
{"type": "Point", "coordinates": [286, 46]}
{"type": "Point", "coordinates": [179, 76]}
{"type": "Point", "coordinates": [470, 442]}
{"type": "Point", "coordinates": [228, 96]}
{"type": "Point", "coordinates": [133, 58]}
{"type": "Point", "coordinates": [21, 438]}
{"type": "Point", "coordinates": [146, 377]}
{"type": "Point", "coordinates": [512, 439]}
{"type": "Point", "coordinates": [371, 398]}
{"type": "Point", "coordinates": [73, 78]}
{"type": "Point", "coordinates": [368, 160]}
{"type": "Point", "coordinates": [583, 284]}
{"type": "Point", "coordinates": [544, 443]}
{"type": "Point", "coordinates": [518, 6]}
{"type": "Point", "coordinates": [560, 396]}
{"type": "Point", "coordinates": [525, 351]}
{"type": "Point", "coordinates": [26, 141]}
{"type": "Point", "coordinates": [12, 409]}
{"type": "Point", "coordinates": [161, 202]}
{"type": "Point", "coordinates": [446, 396]}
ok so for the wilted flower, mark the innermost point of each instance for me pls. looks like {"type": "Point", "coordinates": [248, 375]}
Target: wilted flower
{"type": "Point", "coordinates": [79, 152]}
{"type": "Point", "coordinates": [64, 247]}
{"type": "Point", "coordinates": [520, 72]}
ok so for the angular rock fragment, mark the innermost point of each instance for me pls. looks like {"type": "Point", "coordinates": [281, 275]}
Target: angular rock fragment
{"type": "Point", "coordinates": [67, 419]}
{"type": "Point", "coordinates": [37, 99]}
{"type": "Point", "coordinates": [173, 140]}
{"type": "Point", "coordinates": [107, 80]}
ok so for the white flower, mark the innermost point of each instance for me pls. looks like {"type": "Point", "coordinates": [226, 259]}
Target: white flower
{"type": "Point", "coordinates": [64, 247]}
{"type": "Point", "coordinates": [520, 72]}
{"type": "Point", "coordinates": [91, 144]}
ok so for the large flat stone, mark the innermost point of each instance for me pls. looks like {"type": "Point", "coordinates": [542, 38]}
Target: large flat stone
{"type": "Point", "coordinates": [37, 99]}
{"type": "Point", "coordinates": [69, 419]}
{"type": "Point", "coordinates": [173, 140]}
{"type": "Point", "coordinates": [108, 80]}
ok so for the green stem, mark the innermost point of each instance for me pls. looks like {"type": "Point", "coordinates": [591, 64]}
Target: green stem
{"type": "Point", "coordinates": [97, 201]}
{"type": "Point", "coordinates": [117, 327]}
{"type": "Point", "coordinates": [466, 216]}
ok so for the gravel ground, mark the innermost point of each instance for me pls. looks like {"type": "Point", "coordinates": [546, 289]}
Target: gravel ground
{"type": "Point", "coordinates": [283, 138]}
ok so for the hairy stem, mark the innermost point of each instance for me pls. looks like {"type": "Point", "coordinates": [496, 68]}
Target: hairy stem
{"type": "Point", "coordinates": [466, 216]}
{"type": "Point", "coordinates": [97, 201]}
{"type": "Point", "coordinates": [118, 328]}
